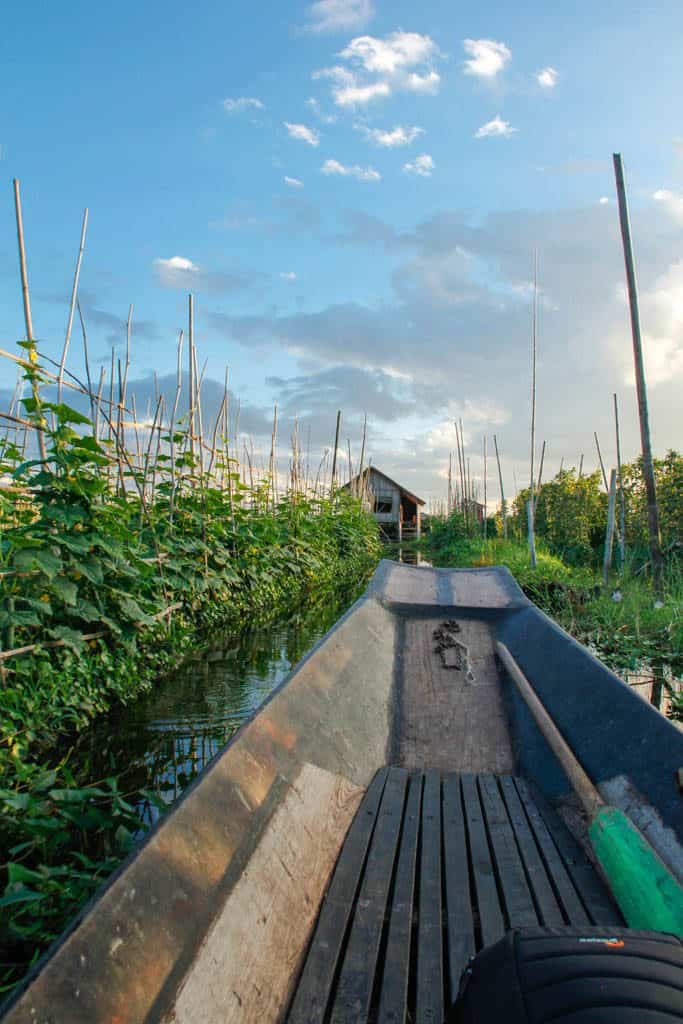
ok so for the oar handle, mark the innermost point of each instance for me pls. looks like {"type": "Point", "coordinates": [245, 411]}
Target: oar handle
{"type": "Point", "coordinates": [584, 788]}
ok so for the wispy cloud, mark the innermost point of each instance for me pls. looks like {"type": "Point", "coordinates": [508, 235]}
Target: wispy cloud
{"type": "Point", "coordinates": [184, 274]}
{"type": "Point", "coordinates": [293, 182]}
{"type": "Point", "coordinates": [313, 104]}
{"type": "Point", "coordinates": [240, 104]}
{"type": "Point", "coordinates": [354, 171]}
{"type": "Point", "coordinates": [672, 201]}
{"type": "Point", "coordinates": [392, 137]}
{"type": "Point", "coordinates": [486, 57]}
{"type": "Point", "coordinates": [547, 78]}
{"type": "Point", "coordinates": [496, 127]}
{"type": "Point", "coordinates": [603, 200]}
{"type": "Point", "coordinates": [303, 133]}
{"type": "Point", "coordinates": [288, 275]}
{"type": "Point", "coordinates": [338, 15]}
{"type": "Point", "coordinates": [375, 68]}
{"type": "Point", "coordinates": [422, 165]}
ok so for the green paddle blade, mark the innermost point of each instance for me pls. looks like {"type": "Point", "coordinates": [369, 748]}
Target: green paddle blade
{"type": "Point", "coordinates": [647, 893]}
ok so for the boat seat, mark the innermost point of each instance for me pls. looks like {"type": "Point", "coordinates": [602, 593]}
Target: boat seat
{"type": "Point", "coordinates": [435, 867]}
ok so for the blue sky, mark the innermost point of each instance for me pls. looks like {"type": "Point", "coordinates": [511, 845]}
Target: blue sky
{"type": "Point", "coordinates": [353, 189]}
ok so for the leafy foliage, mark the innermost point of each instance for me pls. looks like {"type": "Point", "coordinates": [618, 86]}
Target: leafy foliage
{"type": "Point", "coordinates": [108, 582]}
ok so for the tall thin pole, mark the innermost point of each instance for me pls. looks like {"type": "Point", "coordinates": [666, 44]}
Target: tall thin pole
{"type": "Point", "coordinates": [530, 505]}
{"type": "Point", "coordinates": [72, 305]}
{"type": "Point", "coordinates": [641, 389]}
{"type": "Point", "coordinates": [602, 464]}
{"type": "Point", "coordinates": [609, 534]}
{"type": "Point", "coordinates": [336, 446]}
{"type": "Point", "coordinates": [27, 313]}
{"type": "Point", "coordinates": [485, 487]}
{"type": "Point", "coordinates": [622, 502]}
{"type": "Point", "coordinates": [502, 493]}
{"type": "Point", "coordinates": [190, 362]}
{"type": "Point", "coordinates": [361, 488]}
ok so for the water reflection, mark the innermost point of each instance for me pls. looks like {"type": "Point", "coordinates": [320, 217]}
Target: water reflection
{"type": "Point", "coordinates": [162, 741]}
{"type": "Point", "coordinates": [407, 556]}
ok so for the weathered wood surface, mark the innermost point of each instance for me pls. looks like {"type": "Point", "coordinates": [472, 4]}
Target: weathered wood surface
{"type": "Point", "coordinates": [452, 718]}
{"type": "Point", "coordinates": [243, 970]}
{"type": "Point", "coordinates": [407, 964]}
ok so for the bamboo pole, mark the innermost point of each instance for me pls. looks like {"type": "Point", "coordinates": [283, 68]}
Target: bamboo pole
{"type": "Point", "coordinates": [602, 464]}
{"type": "Point", "coordinates": [86, 358]}
{"type": "Point", "coordinates": [622, 500]}
{"type": "Point", "coordinates": [361, 481]}
{"type": "Point", "coordinates": [609, 533]}
{"type": "Point", "coordinates": [72, 305]}
{"type": "Point", "coordinates": [27, 313]}
{"type": "Point", "coordinates": [641, 389]}
{"type": "Point", "coordinates": [581, 466]}
{"type": "Point", "coordinates": [485, 502]}
{"type": "Point", "coordinates": [530, 503]}
{"type": "Point", "coordinates": [272, 469]}
{"type": "Point", "coordinates": [336, 445]}
{"type": "Point", "coordinates": [502, 493]}
{"type": "Point", "coordinates": [190, 359]}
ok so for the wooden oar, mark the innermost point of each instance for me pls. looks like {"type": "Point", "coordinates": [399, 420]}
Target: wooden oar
{"type": "Point", "coordinates": [647, 893]}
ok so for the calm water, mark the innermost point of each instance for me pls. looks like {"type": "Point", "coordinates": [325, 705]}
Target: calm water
{"type": "Point", "coordinates": [162, 741]}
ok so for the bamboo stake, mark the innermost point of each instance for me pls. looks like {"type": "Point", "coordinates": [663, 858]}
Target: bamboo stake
{"type": "Point", "coordinates": [609, 535]}
{"type": "Point", "coordinates": [502, 493]}
{"type": "Point", "coordinates": [348, 446]}
{"type": "Point", "coordinates": [485, 502]}
{"type": "Point", "coordinates": [602, 464]}
{"type": "Point", "coordinates": [98, 403]}
{"type": "Point", "coordinates": [27, 313]}
{"type": "Point", "coordinates": [87, 364]}
{"type": "Point", "coordinates": [641, 388]}
{"type": "Point", "coordinates": [622, 501]}
{"type": "Point", "coordinates": [361, 480]}
{"type": "Point", "coordinates": [174, 413]}
{"type": "Point", "coordinates": [271, 464]}
{"type": "Point", "coordinates": [334, 460]}
{"type": "Point", "coordinates": [530, 503]}
{"type": "Point", "coordinates": [72, 304]}
{"type": "Point", "coordinates": [190, 358]}
{"type": "Point", "coordinates": [581, 466]}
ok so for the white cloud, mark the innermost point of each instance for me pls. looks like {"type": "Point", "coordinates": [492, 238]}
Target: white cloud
{"type": "Point", "coordinates": [377, 67]}
{"type": "Point", "coordinates": [486, 57]}
{"type": "Point", "coordinates": [339, 15]}
{"type": "Point", "coordinates": [427, 84]}
{"type": "Point", "coordinates": [303, 133]}
{"type": "Point", "coordinates": [174, 266]}
{"type": "Point", "coordinates": [672, 201]}
{"type": "Point", "coordinates": [288, 275]}
{"type": "Point", "coordinates": [386, 56]}
{"type": "Point", "coordinates": [360, 173]}
{"type": "Point", "coordinates": [391, 137]}
{"type": "Point", "coordinates": [241, 103]}
{"type": "Point", "coordinates": [422, 165]}
{"type": "Point", "coordinates": [661, 309]}
{"type": "Point", "coordinates": [358, 95]}
{"type": "Point", "coordinates": [603, 200]}
{"type": "Point", "coordinates": [293, 182]}
{"type": "Point", "coordinates": [547, 78]}
{"type": "Point", "coordinates": [495, 127]}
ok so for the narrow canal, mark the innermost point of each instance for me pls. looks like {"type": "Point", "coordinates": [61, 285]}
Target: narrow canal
{"type": "Point", "coordinates": [163, 740]}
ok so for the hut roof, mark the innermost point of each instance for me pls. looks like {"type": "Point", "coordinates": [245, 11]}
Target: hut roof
{"type": "Point", "coordinates": [395, 483]}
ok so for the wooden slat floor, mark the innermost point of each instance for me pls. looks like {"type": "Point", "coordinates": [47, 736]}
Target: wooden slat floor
{"type": "Point", "coordinates": [434, 867]}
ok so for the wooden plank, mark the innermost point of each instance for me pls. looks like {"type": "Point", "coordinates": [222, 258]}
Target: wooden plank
{"type": "Point", "coordinates": [394, 991]}
{"type": "Point", "coordinates": [547, 905]}
{"type": "Point", "coordinates": [312, 994]}
{"type": "Point", "coordinates": [491, 923]}
{"type": "Point", "coordinates": [429, 996]}
{"type": "Point", "coordinates": [570, 901]}
{"type": "Point", "coordinates": [357, 975]}
{"type": "Point", "coordinates": [593, 892]}
{"type": "Point", "coordinates": [519, 903]}
{"type": "Point", "coordinates": [459, 922]}
{"type": "Point", "coordinates": [243, 969]}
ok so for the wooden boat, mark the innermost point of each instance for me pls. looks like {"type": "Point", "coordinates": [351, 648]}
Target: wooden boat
{"type": "Point", "coordinates": [389, 810]}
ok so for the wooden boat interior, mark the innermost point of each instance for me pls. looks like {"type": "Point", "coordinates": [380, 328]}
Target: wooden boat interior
{"type": "Point", "coordinates": [391, 809]}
